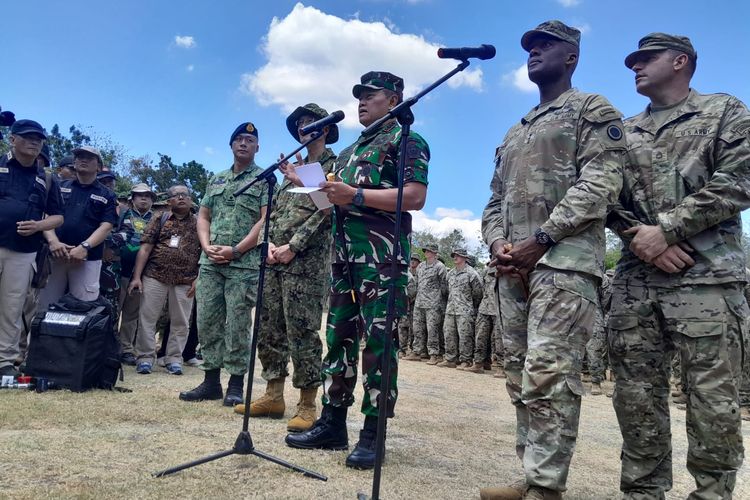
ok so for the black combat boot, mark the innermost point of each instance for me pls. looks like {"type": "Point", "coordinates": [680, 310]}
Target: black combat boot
{"type": "Point", "coordinates": [363, 455]}
{"type": "Point", "coordinates": [234, 390]}
{"type": "Point", "coordinates": [328, 432]}
{"type": "Point", "coordinates": [209, 389]}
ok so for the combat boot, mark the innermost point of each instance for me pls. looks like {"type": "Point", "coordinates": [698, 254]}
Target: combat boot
{"type": "Point", "coordinates": [463, 366]}
{"type": "Point", "coordinates": [476, 368]}
{"type": "Point", "coordinates": [306, 411]}
{"type": "Point", "coordinates": [327, 433]}
{"type": "Point", "coordinates": [745, 413]}
{"type": "Point", "coordinates": [499, 373]}
{"type": "Point", "coordinates": [271, 404]}
{"type": "Point", "coordinates": [513, 491]}
{"type": "Point", "coordinates": [434, 360]}
{"type": "Point", "coordinates": [234, 390]}
{"type": "Point", "coordinates": [539, 493]}
{"type": "Point", "coordinates": [209, 389]}
{"type": "Point", "coordinates": [596, 389]}
{"type": "Point", "coordinates": [447, 364]}
{"type": "Point", "coordinates": [363, 455]}
{"type": "Point", "coordinates": [413, 356]}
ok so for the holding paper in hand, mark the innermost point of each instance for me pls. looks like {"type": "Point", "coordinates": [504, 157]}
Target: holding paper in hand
{"type": "Point", "coordinates": [311, 176]}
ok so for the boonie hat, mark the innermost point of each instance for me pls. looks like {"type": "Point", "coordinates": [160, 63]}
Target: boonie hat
{"type": "Point", "coordinates": [141, 188]}
{"type": "Point", "coordinates": [430, 248]}
{"type": "Point", "coordinates": [460, 251]}
{"type": "Point", "coordinates": [318, 113]}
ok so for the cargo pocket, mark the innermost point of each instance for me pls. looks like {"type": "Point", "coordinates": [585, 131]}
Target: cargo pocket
{"type": "Point", "coordinates": [622, 332]}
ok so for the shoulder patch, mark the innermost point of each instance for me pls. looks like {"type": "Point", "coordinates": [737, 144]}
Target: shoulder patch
{"type": "Point", "coordinates": [219, 181]}
{"type": "Point", "coordinates": [99, 198]}
{"type": "Point", "coordinates": [614, 132]}
{"type": "Point", "coordinates": [42, 182]}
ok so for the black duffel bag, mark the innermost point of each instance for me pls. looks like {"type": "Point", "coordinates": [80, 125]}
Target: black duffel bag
{"type": "Point", "coordinates": [73, 345]}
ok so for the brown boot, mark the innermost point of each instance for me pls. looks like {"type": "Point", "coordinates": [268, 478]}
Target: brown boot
{"type": "Point", "coordinates": [596, 389]}
{"type": "Point", "coordinates": [745, 413]}
{"type": "Point", "coordinates": [413, 356]}
{"type": "Point", "coordinates": [306, 411]}
{"type": "Point", "coordinates": [539, 493]}
{"type": "Point", "coordinates": [499, 373]}
{"type": "Point", "coordinates": [462, 366]}
{"type": "Point", "coordinates": [514, 491]}
{"type": "Point", "coordinates": [447, 364]}
{"type": "Point", "coordinates": [434, 360]}
{"type": "Point", "coordinates": [271, 404]}
{"type": "Point", "coordinates": [476, 368]}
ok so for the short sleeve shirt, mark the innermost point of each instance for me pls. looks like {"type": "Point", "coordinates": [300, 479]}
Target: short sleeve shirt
{"type": "Point", "coordinates": [174, 258]}
{"type": "Point", "coordinates": [86, 206]}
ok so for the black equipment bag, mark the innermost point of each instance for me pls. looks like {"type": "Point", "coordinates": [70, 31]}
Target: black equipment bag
{"type": "Point", "coordinates": [73, 344]}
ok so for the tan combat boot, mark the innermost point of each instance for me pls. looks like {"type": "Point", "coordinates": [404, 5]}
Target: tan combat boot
{"type": "Point", "coordinates": [462, 366]}
{"type": "Point", "coordinates": [271, 404]}
{"type": "Point", "coordinates": [447, 364]}
{"type": "Point", "coordinates": [413, 356]}
{"type": "Point", "coordinates": [499, 372]}
{"type": "Point", "coordinates": [745, 413]}
{"type": "Point", "coordinates": [434, 360]}
{"type": "Point", "coordinates": [513, 491]}
{"type": "Point", "coordinates": [538, 493]}
{"type": "Point", "coordinates": [476, 368]}
{"type": "Point", "coordinates": [306, 411]}
{"type": "Point", "coordinates": [596, 389]}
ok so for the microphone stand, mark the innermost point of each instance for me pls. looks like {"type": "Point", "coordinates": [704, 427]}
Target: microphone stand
{"type": "Point", "coordinates": [243, 445]}
{"type": "Point", "coordinates": [405, 117]}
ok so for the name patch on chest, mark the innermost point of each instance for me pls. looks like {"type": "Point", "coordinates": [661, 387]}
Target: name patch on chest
{"type": "Point", "coordinates": [99, 198]}
{"type": "Point", "coordinates": [692, 132]}
{"type": "Point", "coordinates": [65, 190]}
{"type": "Point", "coordinates": [42, 182]}
{"type": "Point", "coordinates": [4, 170]}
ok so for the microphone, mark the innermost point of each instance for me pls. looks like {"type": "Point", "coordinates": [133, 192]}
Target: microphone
{"type": "Point", "coordinates": [334, 117]}
{"type": "Point", "coordinates": [484, 51]}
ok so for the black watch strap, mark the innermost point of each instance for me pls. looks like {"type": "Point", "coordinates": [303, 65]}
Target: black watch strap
{"type": "Point", "coordinates": [543, 238]}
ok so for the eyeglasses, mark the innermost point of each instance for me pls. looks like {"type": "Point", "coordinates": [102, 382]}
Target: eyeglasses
{"type": "Point", "coordinates": [180, 196]}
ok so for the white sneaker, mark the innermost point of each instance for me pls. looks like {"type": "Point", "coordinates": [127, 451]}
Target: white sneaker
{"type": "Point", "coordinates": [160, 362]}
{"type": "Point", "coordinates": [194, 362]}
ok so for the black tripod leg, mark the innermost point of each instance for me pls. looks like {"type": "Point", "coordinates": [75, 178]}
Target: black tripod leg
{"type": "Point", "coordinates": [187, 465]}
{"type": "Point", "coordinates": [288, 465]}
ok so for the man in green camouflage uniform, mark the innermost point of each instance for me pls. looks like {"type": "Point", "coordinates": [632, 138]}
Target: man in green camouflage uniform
{"type": "Point", "coordinates": [295, 281]}
{"type": "Point", "coordinates": [556, 173]}
{"type": "Point", "coordinates": [596, 348]}
{"type": "Point", "coordinates": [405, 331]}
{"type": "Point", "coordinates": [365, 191]}
{"type": "Point", "coordinates": [679, 283]}
{"type": "Point", "coordinates": [487, 327]}
{"type": "Point", "coordinates": [429, 306]}
{"type": "Point", "coordinates": [228, 229]}
{"type": "Point", "coordinates": [464, 295]}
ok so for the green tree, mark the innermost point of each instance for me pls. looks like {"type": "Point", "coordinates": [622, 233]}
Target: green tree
{"type": "Point", "coordinates": [613, 249]}
{"type": "Point", "coordinates": [167, 173]}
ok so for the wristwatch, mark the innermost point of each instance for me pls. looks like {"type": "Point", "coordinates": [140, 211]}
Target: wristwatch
{"type": "Point", "coordinates": [359, 197]}
{"type": "Point", "coordinates": [236, 254]}
{"type": "Point", "coordinates": [86, 245]}
{"type": "Point", "coordinates": [543, 238]}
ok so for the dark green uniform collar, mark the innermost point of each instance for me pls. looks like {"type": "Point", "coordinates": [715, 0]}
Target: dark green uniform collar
{"type": "Point", "coordinates": [691, 106]}
{"type": "Point", "coordinates": [386, 126]}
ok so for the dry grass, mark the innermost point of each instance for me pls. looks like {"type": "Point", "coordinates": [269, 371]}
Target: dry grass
{"type": "Point", "coordinates": [454, 432]}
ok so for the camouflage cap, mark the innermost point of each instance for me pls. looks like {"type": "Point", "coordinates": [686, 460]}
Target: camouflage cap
{"type": "Point", "coordinates": [243, 128]}
{"type": "Point", "coordinates": [318, 113]}
{"type": "Point", "coordinates": [460, 251]}
{"type": "Point", "coordinates": [555, 29]}
{"type": "Point", "coordinates": [430, 248]}
{"type": "Point", "coordinates": [378, 80]}
{"type": "Point", "coordinates": [661, 41]}
{"type": "Point", "coordinates": [416, 257]}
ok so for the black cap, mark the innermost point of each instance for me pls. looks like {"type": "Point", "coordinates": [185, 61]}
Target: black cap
{"type": "Point", "coordinates": [105, 175]}
{"type": "Point", "coordinates": [316, 112]}
{"type": "Point", "coordinates": [44, 153]}
{"type": "Point", "coordinates": [244, 128]}
{"type": "Point", "coordinates": [21, 127]}
{"type": "Point", "coordinates": [67, 161]}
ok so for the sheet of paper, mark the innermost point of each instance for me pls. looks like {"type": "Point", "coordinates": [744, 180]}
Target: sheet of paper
{"type": "Point", "coordinates": [311, 174]}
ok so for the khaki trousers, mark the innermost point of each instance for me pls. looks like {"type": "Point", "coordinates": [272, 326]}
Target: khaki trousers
{"type": "Point", "coordinates": [16, 270]}
{"type": "Point", "coordinates": [155, 293]}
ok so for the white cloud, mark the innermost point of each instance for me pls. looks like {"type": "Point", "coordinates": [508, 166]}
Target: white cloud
{"type": "Point", "coordinates": [183, 143]}
{"type": "Point", "coordinates": [569, 3]}
{"type": "Point", "coordinates": [209, 150]}
{"type": "Point", "coordinates": [446, 220]}
{"type": "Point", "coordinates": [314, 56]}
{"type": "Point", "coordinates": [519, 78]}
{"type": "Point", "coordinates": [190, 67]}
{"type": "Point", "coordinates": [184, 42]}
{"type": "Point", "coordinates": [583, 27]}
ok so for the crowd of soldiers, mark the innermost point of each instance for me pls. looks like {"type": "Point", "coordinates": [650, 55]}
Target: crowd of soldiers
{"type": "Point", "coordinates": [671, 182]}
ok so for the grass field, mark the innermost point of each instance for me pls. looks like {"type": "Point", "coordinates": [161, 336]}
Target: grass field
{"type": "Point", "coordinates": [454, 432]}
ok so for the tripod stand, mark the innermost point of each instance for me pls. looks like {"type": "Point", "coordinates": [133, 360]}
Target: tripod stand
{"type": "Point", "coordinates": [243, 445]}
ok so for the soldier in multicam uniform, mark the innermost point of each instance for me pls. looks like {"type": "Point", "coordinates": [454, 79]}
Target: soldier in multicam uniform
{"type": "Point", "coordinates": [464, 295]}
{"type": "Point", "coordinates": [405, 330]}
{"type": "Point", "coordinates": [557, 172]}
{"type": "Point", "coordinates": [596, 348]}
{"type": "Point", "coordinates": [299, 259]}
{"type": "Point", "coordinates": [228, 229]}
{"type": "Point", "coordinates": [487, 327]}
{"type": "Point", "coordinates": [745, 384]}
{"type": "Point", "coordinates": [429, 306]}
{"type": "Point", "coordinates": [365, 192]}
{"type": "Point", "coordinates": [679, 283]}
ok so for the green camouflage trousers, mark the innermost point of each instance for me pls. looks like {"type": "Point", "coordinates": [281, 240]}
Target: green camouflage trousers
{"type": "Point", "coordinates": [405, 331]}
{"type": "Point", "coordinates": [225, 296]}
{"type": "Point", "coordinates": [486, 335]}
{"type": "Point", "coordinates": [745, 385]}
{"type": "Point", "coordinates": [292, 308]}
{"type": "Point", "coordinates": [706, 325]}
{"type": "Point", "coordinates": [596, 349]}
{"type": "Point", "coordinates": [428, 330]}
{"type": "Point", "coordinates": [347, 322]}
{"type": "Point", "coordinates": [459, 338]}
{"type": "Point", "coordinates": [544, 338]}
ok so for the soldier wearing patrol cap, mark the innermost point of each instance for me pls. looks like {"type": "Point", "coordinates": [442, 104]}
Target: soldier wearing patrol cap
{"type": "Point", "coordinates": [429, 304]}
{"type": "Point", "coordinates": [544, 224]}
{"type": "Point", "coordinates": [464, 289]}
{"type": "Point", "coordinates": [679, 283]}
{"type": "Point", "coordinates": [405, 331]}
{"type": "Point", "coordinates": [298, 264]}
{"type": "Point", "coordinates": [26, 195]}
{"type": "Point", "coordinates": [228, 230]}
{"type": "Point", "coordinates": [65, 169]}
{"type": "Point", "coordinates": [365, 191]}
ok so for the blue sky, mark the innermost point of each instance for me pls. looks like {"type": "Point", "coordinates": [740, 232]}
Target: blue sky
{"type": "Point", "coordinates": [120, 68]}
